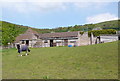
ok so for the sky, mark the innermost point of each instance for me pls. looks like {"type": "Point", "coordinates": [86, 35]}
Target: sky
{"type": "Point", "coordinates": [57, 13]}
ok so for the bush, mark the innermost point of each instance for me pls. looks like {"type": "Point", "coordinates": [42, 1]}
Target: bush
{"type": "Point", "coordinates": [81, 32]}
{"type": "Point", "coordinates": [99, 32]}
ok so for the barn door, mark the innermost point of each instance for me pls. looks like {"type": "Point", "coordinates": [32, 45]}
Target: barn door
{"type": "Point", "coordinates": [27, 42]}
{"type": "Point", "coordinates": [51, 43]}
{"type": "Point", "coordinates": [66, 42]}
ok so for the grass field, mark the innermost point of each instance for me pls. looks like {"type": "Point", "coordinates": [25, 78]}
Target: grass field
{"type": "Point", "coordinates": [86, 62]}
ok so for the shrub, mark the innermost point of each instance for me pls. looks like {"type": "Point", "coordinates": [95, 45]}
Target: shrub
{"type": "Point", "coordinates": [81, 32]}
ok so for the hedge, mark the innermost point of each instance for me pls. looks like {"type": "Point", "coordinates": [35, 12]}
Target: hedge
{"type": "Point", "coordinates": [99, 32]}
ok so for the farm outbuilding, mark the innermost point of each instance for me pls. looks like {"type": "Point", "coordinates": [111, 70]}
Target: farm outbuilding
{"type": "Point", "coordinates": [60, 39]}
{"type": "Point", "coordinates": [108, 38]}
{"type": "Point", "coordinates": [29, 37]}
{"type": "Point", "coordinates": [34, 39]}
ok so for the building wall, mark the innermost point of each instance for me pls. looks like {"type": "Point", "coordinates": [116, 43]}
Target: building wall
{"type": "Point", "coordinates": [73, 42]}
{"type": "Point", "coordinates": [32, 43]}
{"type": "Point", "coordinates": [59, 42]}
{"type": "Point", "coordinates": [84, 39]}
{"type": "Point", "coordinates": [70, 42]}
{"type": "Point", "coordinates": [92, 39]}
{"type": "Point", "coordinates": [108, 38]}
{"type": "Point", "coordinates": [45, 44]}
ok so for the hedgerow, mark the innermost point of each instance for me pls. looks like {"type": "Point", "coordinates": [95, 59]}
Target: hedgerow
{"type": "Point", "coordinates": [99, 32]}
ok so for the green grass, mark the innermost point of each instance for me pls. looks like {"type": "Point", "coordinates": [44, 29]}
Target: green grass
{"type": "Point", "coordinates": [86, 62]}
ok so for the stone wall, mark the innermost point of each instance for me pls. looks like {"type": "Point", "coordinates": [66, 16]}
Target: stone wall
{"type": "Point", "coordinates": [84, 39]}
{"type": "Point", "coordinates": [108, 38]}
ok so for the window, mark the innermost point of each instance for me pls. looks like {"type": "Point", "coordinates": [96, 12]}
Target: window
{"type": "Point", "coordinates": [46, 41]}
{"type": "Point", "coordinates": [58, 41]}
{"type": "Point", "coordinates": [72, 41]}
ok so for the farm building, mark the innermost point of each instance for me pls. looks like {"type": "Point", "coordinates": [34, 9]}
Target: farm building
{"type": "Point", "coordinates": [30, 37]}
{"type": "Point", "coordinates": [108, 38]}
{"type": "Point", "coordinates": [104, 38]}
{"type": "Point", "coordinates": [64, 39]}
{"type": "Point", "coordinates": [33, 39]}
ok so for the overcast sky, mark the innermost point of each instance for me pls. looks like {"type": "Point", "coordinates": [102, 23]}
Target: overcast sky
{"type": "Point", "coordinates": [57, 13]}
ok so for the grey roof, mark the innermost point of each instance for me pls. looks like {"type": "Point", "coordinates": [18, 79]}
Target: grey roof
{"type": "Point", "coordinates": [29, 34]}
{"type": "Point", "coordinates": [60, 34]}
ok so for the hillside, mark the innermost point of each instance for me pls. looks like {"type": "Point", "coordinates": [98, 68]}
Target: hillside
{"type": "Point", "coordinates": [10, 31]}
{"type": "Point", "coordinates": [109, 25]}
{"type": "Point", "coordinates": [105, 25]}
{"type": "Point", "coordinates": [98, 61]}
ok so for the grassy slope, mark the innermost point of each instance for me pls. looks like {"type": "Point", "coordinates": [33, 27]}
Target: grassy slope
{"type": "Point", "coordinates": [108, 24]}
{"type": "Point", "coordinates": [94, 61]}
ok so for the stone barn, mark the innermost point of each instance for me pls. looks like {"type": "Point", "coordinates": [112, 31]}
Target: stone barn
{"type": "Point", "coordinates": [29, 37]}
{"type": "Point", "coordinates": [64, 39]}
{"type": "Point", "coordinates": [108, 38]}
{"type": "Point", "coordinates": [33, 39]}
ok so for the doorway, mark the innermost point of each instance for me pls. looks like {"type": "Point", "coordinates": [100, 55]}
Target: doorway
{"type": "Point", "coordinates": [66, 42]}
{"type": "Point", "coordinates": [27, 42]}
{"type": "Point", "coordinates": [118, 37]}
{"type": "Point", "coordinates": [51, 43]}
